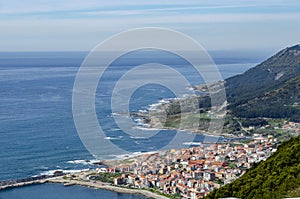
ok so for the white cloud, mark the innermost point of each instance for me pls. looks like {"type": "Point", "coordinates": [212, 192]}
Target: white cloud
{"type": "Point", "coordinates": [154, 19]}
{"type": "Point", "coordinates": [43, 28]}
{"type": "Point", "coordinates": [43, 6]}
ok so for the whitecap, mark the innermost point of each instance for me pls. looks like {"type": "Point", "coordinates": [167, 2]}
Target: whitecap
{"type": "Point", "coordinates": [131, 155]}
{"type": "Point", "coordinates": [114, 129]}
{"type": "Point", "coordinates": [51, 172]}
{"type": "Point", "coordinates": [192, 143]}
{"type": "Point", "coordinates": [136, 137]}
{"type": "Point", "coordinates": [113, 138]}
{"type": "Point", "coordinates": [83, 162]}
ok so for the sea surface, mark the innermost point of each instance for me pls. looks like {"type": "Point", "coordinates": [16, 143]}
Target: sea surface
{"type": "Point", "coordinates": [37, 131]}
{"type": "Point", "coordinates": [58, 191]}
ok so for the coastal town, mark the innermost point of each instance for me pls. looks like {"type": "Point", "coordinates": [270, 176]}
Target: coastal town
{"type": "Point", "coordinates": [196, 171]}
{"type": "Point", "coordinates": [177, 173]}
{"type": "Point", "coordinates": [193, 172]}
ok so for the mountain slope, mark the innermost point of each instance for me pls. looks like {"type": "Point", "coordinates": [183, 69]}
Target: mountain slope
{"type": "Point", "coordinates": [268, 90]}
{"type": "Point", "coordinates": [273, 178]}
{"type": "Point", "coordinates": [280, 102]}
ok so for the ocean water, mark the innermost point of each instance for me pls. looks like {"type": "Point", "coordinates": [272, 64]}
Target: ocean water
{"type": "Point", "coordinates": [37, 131]}
{"type": "Point", "coordinates": [58, 191]}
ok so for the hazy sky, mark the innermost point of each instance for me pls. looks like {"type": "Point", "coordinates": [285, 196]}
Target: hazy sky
{"type": "Point", "coordinates": [59, 25]}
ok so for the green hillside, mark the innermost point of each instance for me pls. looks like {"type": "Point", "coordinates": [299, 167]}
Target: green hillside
{"type": "Point", "coordinates": [280, 102]}
{"type": "Point", "coordinates": [277, 177]}
{"type": "Point", "coordinates": [271, 89]}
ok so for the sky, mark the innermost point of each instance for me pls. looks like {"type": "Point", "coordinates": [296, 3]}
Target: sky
{"type": "Point", "coordinates": [79, 25]}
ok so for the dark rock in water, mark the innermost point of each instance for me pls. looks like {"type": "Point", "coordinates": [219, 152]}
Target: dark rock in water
{"type": "Point", "coordinates": [58, 173]}
{"type": "Point", "coordinates": [98, 163]}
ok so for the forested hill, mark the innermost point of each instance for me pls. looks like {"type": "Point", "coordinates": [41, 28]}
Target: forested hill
{"type": "Point", "coordinates": [271, 89]}
{"type": "Point", "coordinates": [277, 177]}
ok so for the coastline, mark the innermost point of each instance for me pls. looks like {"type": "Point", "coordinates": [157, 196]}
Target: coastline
{"type": "Point", "coordinates": [106, 186]}
{"type": "Point", "coordinates": [197, 132]}
{"type": "Point", "coordinates": [153, 123]}
{"type": "Point", "coordinates": [81, 179]}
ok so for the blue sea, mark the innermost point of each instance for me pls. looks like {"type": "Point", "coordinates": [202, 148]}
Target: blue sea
{"type": "Point", "coordinates": [58, 191]}
{"type": "Point", "coordinates": [37, 131]}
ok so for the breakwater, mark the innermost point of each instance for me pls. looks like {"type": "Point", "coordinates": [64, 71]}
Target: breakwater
{"type": "Point", "coordinates": [6, 184]}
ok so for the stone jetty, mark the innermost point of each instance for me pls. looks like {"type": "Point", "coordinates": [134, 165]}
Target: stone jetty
{"type": "Point", "coordinates": [28, 181]}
